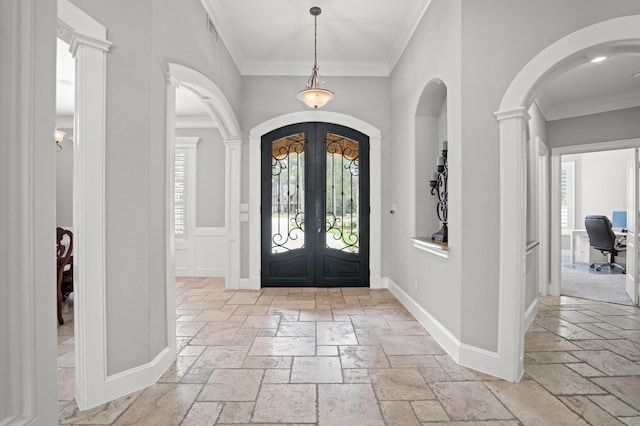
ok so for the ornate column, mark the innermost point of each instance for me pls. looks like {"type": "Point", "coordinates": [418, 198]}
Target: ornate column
{"type": "Point", "coordinates": [513, 136]}
{"type": "Point", "coordinates": [89, 218]}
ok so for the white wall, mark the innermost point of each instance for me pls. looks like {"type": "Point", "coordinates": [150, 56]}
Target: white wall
{"type": "Point", "coordinates": [64, 181]}
{"type": "Point", "coordinates": [146, 35]}
{"type": "Point", "coordinates": [365, 98]}
{"type": "Point", "coordinates": [600, 183]}
{"type": "Point", "coordinates": [210, 176]}
{"type": "Point", "coordinates": [431, 281]}
{"type": "Point", "coordinates": [607, 126]}
{"type": "Point", "coordinates": [498, 39]}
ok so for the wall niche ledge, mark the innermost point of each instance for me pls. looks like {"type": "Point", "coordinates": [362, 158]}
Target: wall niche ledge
{"type": "Point", "coordinates": [426, 244]}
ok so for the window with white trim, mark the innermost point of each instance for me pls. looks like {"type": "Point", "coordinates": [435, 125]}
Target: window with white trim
{"type": "Point", "coordinates": [180, 198]}
{"type": "Point", "coordinates": [567, 195]}
{"type": "Point", "coordinates": [184, 189]}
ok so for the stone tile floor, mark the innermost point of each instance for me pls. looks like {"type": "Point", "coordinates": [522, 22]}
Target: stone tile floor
{"type": "Point", "coordinates": [354, 356]}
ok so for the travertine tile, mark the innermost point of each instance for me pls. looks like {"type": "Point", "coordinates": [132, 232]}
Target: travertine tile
{"type": "Point", "coordinates": [469, 401]}
{"type": "Point", "coordinates": [429, 411]}
{"type": "Point", "coordinates": [589, 410]}
{"type": "Point", "coordinates": [356, 375]}
{"type": "Point", "coordinates": [288, 403]}
{"type": "Point", "coordinates": [410, 345]}
{"type": "Point", "coordinates": [296, 329]}
{"type": "Point", "coordinates": [316, 370]}
{"type": "Point", "coordinates": [348, 404]}
{"type": "Point", "coordinates": [400, 384]}
{"type": "Point", "coordinates": [532, 404]}
{"type": "Point", "coordinates": [547, 341]}
{"type": "Point", "coordinates": [561, 380]}
{"type": "Point", "coordinates": [585, 370]}
{"type": "Point", "coordinates": [626, 389]}
{"type": "Point", "coordinates": [102, 414]}
{"type": "Point", "coordinates": [557, 357]}
{"type": "Point", "coordinates": [222, 357]}
{"type": "Point", "coordinates": [614, 406]}
{"type": "Point", "coordinates": [335, 333]}
{"type": "Point", "coordinates": [279, 346]}
{"type": "Point", "coordinates": [609, 363]}
{"type": "Point", "coordinates": [276, 375]}
{"type": "Point", "coordinates": [363, 357]}
{"type": "Point", "coordinates": [202, 414]}
{"type": "Point", "coordinates": [398, 413]}
{"type": "Point", "coordinates": [216, 333]}
{"type": "Point", "coordinates": [356, 356]}
{"type": "Point", "coordinates": [236, 412]}
{"type": "Point", "coordinates": [160, 404]}
{"type": "Point", "coordinates": [267, 362]}
{"type": "Point", "coordinates": [262, 321]}
{"type": "Point", "coordinates": [232, 385]}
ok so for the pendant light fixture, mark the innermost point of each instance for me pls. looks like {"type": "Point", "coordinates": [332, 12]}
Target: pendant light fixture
{"type": "Point", "coordinates": [313, 95]}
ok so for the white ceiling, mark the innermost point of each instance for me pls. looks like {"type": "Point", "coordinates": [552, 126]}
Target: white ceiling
{"type": "Point", "coordinates": [365, 38]}
{"type": "Point", "coordinates": [355, 37]}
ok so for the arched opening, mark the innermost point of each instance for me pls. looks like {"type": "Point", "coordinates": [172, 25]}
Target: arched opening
{"type": "Point", "coordinates": [216, 104]}
{"type": "Point", "coordinates": [616, 35]}
{"type": "Point", "coordinates": [431, 136]}
{"type": "Point", "coordinates": [254, 186]}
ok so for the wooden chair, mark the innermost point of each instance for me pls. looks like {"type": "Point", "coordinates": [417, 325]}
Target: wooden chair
{"type": "Point", "coordinates": [65, 275]}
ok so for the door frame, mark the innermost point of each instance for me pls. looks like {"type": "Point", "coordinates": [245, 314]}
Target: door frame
{"type": "Point", "coordinates": [314, 254]}
{"type": "Point", "coordinates": [556, 228]}
{"type": "Point", "coordinates": [375, 181]}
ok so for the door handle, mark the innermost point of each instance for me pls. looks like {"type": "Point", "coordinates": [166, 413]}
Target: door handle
{"type": "Point", "coordinates": [319, 226]}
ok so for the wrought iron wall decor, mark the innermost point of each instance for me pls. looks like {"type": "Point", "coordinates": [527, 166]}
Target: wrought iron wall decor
{"type": "Point", "coordinates": [440, 189]}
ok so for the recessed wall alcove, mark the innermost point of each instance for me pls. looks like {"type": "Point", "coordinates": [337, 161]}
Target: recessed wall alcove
{"type": "Point", "coordinates": [430, 132]}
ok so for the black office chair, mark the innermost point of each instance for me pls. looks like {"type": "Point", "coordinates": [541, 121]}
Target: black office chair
{"type": "Point", "coordinates": [601, 237]}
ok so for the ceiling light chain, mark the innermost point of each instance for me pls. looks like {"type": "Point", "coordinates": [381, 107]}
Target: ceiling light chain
{"type": "Point", "coordinates": [313, 95]}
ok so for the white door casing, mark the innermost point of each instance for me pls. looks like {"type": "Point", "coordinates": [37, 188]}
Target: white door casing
{"type": "Point", "coordinates": [375, 140]}
{"type": "Point", "coordinates": [632, 279]}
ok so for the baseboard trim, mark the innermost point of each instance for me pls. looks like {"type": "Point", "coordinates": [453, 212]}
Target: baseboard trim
{"type": "Point", "coordinates": [473, 357]}
{"type": "Point", "coordinates": [440, 333]}
{"type": "Point", "coordinates": [530, 314]}
{"type": "Point", "coordinates": [250, 283]}
{"type": "Point", "coordinates": [134, 379]}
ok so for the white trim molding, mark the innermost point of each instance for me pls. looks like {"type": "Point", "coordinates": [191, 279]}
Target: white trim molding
{"type": "Point", "coordinates": [613, 35]}
{"type": "Point", "coordinates": [375, 140]}
{"type": "Point", "coordinates": [27, 213]}
{"type": "Point", "coordinates": [217, 105]}
{"type": "Point", "coordinates": [556, 168]}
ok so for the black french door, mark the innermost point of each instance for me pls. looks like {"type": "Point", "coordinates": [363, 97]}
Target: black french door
{"type": "Point", "coordinates": [315, 206]}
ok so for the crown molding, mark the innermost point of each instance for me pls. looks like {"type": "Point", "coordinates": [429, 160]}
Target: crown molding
{"type": "Point", "coordinates": [352, 69]}
{"type": "Point", "coordinates": [413, 20]}
{"type": "Point", "coordinates": [220, 21]}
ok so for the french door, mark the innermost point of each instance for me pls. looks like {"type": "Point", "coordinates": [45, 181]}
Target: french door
{"type": "Point", "coordinates": [315, 206]}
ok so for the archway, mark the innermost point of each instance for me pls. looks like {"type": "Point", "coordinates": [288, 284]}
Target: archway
{"type": "Point", "coordinates": [254, 186]}
{"type": "Point", "coordinates": [217, 105]}
{"type": "Point", "coordinates": [615, 35]}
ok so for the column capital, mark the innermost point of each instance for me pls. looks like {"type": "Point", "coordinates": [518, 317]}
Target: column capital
{"type": "Point", "coordinates": [519, 112]}
{"type": "Point", "coordinates": [232, 143]}
{"type": "Point", "coordinates": [78, 39]}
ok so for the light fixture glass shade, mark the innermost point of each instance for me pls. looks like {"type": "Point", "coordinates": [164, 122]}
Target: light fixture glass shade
{"type": "Point", "coordinates": [315, 97]}
{"type": "Point", "coordinates": [58, 136]}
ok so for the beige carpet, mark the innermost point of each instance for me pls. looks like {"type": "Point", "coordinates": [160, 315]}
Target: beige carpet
{"type": "Point", "coordinates": [581, 281]}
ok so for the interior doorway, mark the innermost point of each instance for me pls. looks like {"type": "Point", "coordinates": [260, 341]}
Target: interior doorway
{"type": "Point", "coordinates": [315, 206]}
{"type": "Point", "coordinates": [575, 195]}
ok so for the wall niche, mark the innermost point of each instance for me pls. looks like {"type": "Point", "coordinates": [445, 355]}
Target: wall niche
{"type": "Point", "coordinates": [430, 133]}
